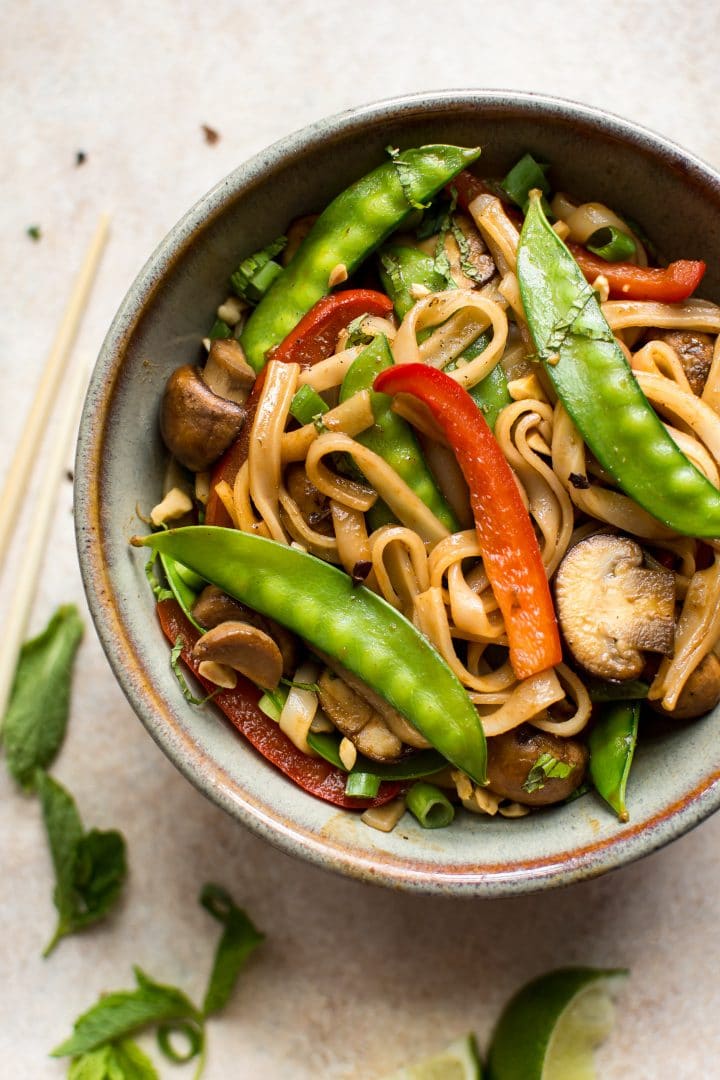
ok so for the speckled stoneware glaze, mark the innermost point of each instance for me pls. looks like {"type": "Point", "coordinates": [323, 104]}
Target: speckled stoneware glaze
{"type": "Point", "coordinates": [120, 465]}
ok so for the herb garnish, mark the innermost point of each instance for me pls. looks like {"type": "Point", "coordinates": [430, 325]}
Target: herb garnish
{"type": "Point", "coordinates": [545, 768]}
{"type": "Point", "coordinates": [99, 1043]}
{"type": "Point", "coordinates": [37, 714]}
{"type": "Point", "coordinates": [187, 693]}
{"type": "Point", "coordinates": [34, 232]}
{"type": "Point", "coordinates": [90, 868]}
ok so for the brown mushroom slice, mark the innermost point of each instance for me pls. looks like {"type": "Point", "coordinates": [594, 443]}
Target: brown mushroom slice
{"type": "Point", "coordinates": [610, 607]}
{"type": "Point", "coordinates": [355, 719]}
{"type": "Point", "coordinates": [512, 757]}
{"type": "Point", "coordinates": [245, 648]}
{"type": "Point", "coordinates": [699, 695]}
{"type": "Point", "coordinates": [405, 731]}
{"type": "Point", "coordinates": [312, 504]}
{"type": "Point", "coordinates": [197, 426]}
{"type": "Point", "coordinates": [695, 352]}
{"type": "Point", "coordinates": [227, 372]}
{"type": "Point", "coordinates": [213, 607]}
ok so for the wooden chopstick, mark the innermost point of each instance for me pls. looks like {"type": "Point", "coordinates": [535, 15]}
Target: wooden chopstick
{"type": "Point", "coordinates": [22, 462]}
{"type": "Point", "coordinates": [15, 622]}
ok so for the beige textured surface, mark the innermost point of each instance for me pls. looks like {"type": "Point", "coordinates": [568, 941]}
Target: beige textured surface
{"type": "Point", "coordinates": [352, 981]}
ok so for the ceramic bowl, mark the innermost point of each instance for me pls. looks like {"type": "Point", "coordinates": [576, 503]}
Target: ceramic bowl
{"type": "Point", "coordinates": [120, 461]}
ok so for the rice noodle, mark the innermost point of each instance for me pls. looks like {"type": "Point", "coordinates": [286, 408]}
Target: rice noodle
{"type": "Point", "coordinates": [264, 448]}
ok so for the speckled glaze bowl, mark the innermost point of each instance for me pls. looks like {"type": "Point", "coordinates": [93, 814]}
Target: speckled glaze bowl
{"type": "Point", "coordinates": [120, 463]}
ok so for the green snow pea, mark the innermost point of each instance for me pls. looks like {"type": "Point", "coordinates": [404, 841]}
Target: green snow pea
{"type": "Point", "coordinates": [410, 767]}
{"type": "Point", "coordinates": [597, 387]}
{"type": "Point", "coordinates": [348, 230]}
{"type": "Point", "coordinates": [391, 437]}
{"type": "Point", "coordinates": [612, 746]}
{"type": "Point", "coordinates": [402, 266]}
{"type": "Point", "coordinates": [347, 622]}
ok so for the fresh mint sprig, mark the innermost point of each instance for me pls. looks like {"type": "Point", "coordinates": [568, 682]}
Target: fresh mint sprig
{"type": "Point", "coordinates": [99, 1042]}
{"type": "Point", "coordinates": [90, 867]}
{"type": "Point", "coordinates": [37, 714]}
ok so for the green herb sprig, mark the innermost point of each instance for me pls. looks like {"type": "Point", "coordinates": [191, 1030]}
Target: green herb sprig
{"type": "Point", "coordinates": [545, 768]}
{"type": "Point", "coordinates": [37, 714]}
{"type": "Point", "coordinates": [100, 1042]}
{"type": "Point", "coordinates": [90, 867]}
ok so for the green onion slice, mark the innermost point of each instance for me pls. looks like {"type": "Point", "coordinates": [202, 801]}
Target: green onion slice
{"type": "Point", "coordinates": [430, 806]}
{"type": "Point", "coordinates": [611, 244]}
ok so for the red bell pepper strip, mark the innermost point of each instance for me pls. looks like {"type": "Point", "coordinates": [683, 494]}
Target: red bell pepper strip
{"type": "Point", "coordinates": [510, 549]}
{"type": "Point", "coordinates": [312, 340]}
{"type": "Point", "coordinates": [314, 337]}
{"type": "Point", "coordinates": [314, 775]}
{"type": "Point", "coordinates": [629, 282]}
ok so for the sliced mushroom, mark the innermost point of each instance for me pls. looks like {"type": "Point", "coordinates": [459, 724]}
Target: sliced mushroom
{"type": "Point", "coordinates": [512, 757]}
{"type": "Point", "coordinates": [356, 719]}
{"type": "Point", "coordinates": [244, 648]}
{"type": "Point", "coordinates": [700, 694]}
{"type": "Point", "coordinates": [695, 352]}
{"type": "Point", "coordinates": [470, 264]}
{"type": "Point", "coordinates": [312, 504]}
{"type": "Point", "coordinates": [397, 723]}
{"type": "Point", "coordinates": [197, 425]}
{"type": "Point", "coordinates": [610, 607]}
{"type": "Point", "coordinates": [227, 372]}
{"type": "Point", "coordinates": [213, 607]}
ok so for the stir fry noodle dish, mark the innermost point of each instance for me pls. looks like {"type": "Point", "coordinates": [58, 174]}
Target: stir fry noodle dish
{"type": "Point", "coordinates": [441, 515]}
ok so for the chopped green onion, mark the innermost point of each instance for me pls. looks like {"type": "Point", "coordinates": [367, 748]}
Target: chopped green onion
{"type": "Point", "coordinates": [272, 702]}
{"type": "Point", "coordinates": [188, 1031]}
{"type": "Point", "coordinates": [430, 806]}
{"type": "Point", "coordinates": [255, 275]}
{"type": "Point", "coordinates": [307, 404]}
{"type": "Point", "coordinates": [611, 244]}
{"type": "Point", "coordinates": [523, 178]}
{"type": "Point", "coordinates": [362, 785]}
{"type": "Point", "coordinates": [220, 329]}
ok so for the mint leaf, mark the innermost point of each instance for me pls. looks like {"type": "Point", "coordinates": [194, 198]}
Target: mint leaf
{"type": "Point", "coordinates": [89, 867]}
{"type": "Point", "coordinates": [37, 714]}
{"type": "Point", "coordinates": [545, 768]}
{"type": "Point", "coordinates": [126, 1011]}
{"type": "Point", "coordinates": [238, 941]}
{"type": "Point", "coordinates": [119, 1061]}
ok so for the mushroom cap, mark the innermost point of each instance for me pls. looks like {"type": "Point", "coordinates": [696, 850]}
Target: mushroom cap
{"type": "Point", "coordinates": [197, 426]}
{"type": "Point", "coordinates": [699, 695]}
{"type": "Point", "coordinates": [512, 756]}
{"type": "Point", "coordinates": [213, 606]}
{"type": "Point", "coordinates": [245, 648]}
{"type": "Point", "coordinates": [610, 607]}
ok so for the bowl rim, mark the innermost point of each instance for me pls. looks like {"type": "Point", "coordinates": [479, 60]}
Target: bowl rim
{"type": "Point", "coordinates": [515, 877]}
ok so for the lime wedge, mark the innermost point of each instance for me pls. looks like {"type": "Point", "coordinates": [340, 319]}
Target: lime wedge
{"type": "Point", "coordinates": [458, 1061]}
{"type": "Point", "coordinates": [550, 1029]}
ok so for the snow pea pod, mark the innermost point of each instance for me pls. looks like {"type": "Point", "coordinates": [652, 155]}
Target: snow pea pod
{"type": "Point", "coordinates": [597, 387]}
{"type": "Point", "coordinates": [347, 231]}
{"type": "Point", "coordinates": [612, 746]}
{"type": "Point", "coordinates": [347, 622]}
{"type": "Point", "coordinates": [402, 266]}
{"type": "Point", "coordinates": [391, 437]}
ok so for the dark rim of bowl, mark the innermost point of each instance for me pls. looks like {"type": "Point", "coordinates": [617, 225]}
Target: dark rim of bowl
{"type": "Point", "coordinates": [471, 879]}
